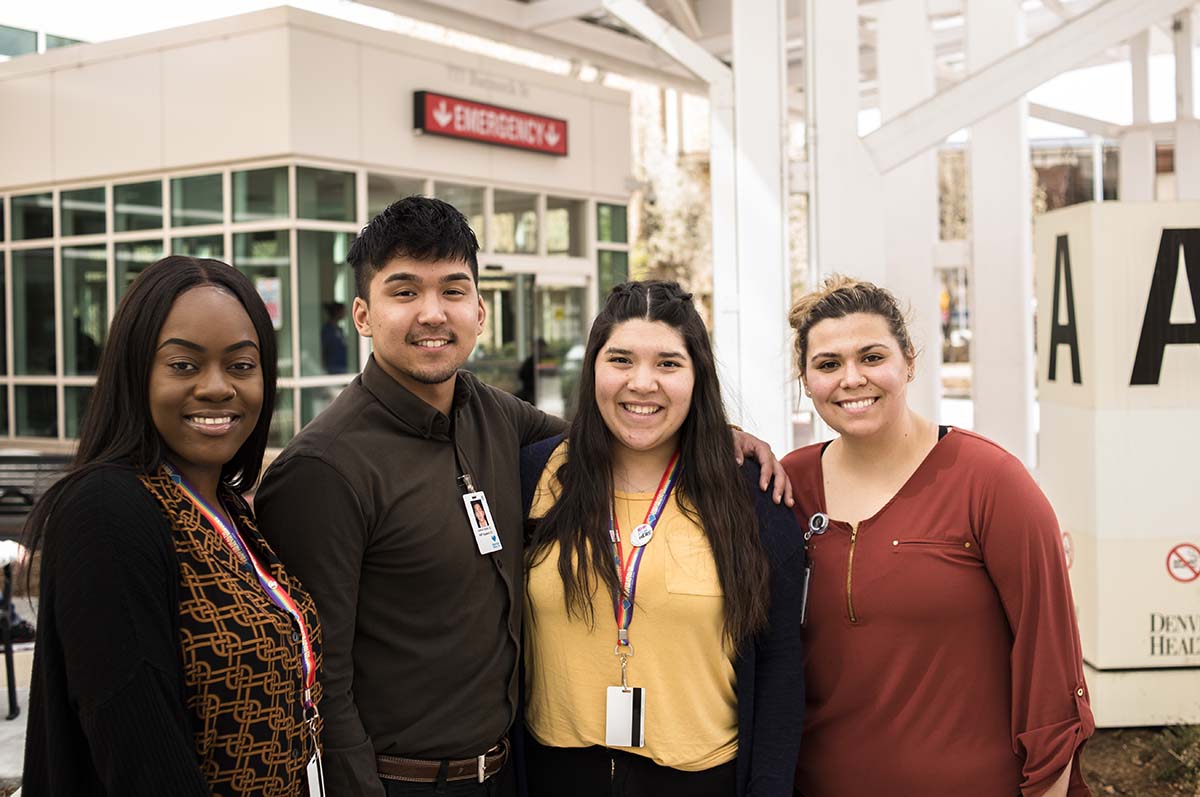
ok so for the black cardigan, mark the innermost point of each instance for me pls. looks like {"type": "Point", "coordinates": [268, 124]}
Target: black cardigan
{"type": "Point", "coordinates": [770, 673]}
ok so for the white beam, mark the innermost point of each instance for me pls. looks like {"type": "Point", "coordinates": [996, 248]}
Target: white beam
{"type": "Point", "coordinates": [1187, 128]}
{"type": "Point", "coordinates": [570, 40]}
{"type": "Point", "coordinates": [1002, 380]}
{"type": "Point", "coordinates": [752, 293]}
{"type": "Point", "coordinates": [905, 48]}
{"type": "Point", "coordinates": [1185, 102]}
{"type": "Point", "coordinates": [1087, 124]}
{"type": "Point", "coordinates": [1009, 77]}
{"type": "Point", "coordinates": [685, 17]}
{"type": "Point", "coordinates": [547, 12]}
{"type": "Point", "coordinates": [669, 39]}
{"type": "Point", "coordinates": [1139, 63]}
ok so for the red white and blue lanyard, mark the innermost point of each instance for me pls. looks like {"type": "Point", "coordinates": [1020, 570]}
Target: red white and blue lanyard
{"type": "Point", "coordinates": [627, 568]}
{"type": "Point", "coordinates": [276, 592]}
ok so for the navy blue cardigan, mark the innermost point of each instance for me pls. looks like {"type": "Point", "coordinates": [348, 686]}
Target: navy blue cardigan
{"type": "Point", "coordinates": [770, 672]}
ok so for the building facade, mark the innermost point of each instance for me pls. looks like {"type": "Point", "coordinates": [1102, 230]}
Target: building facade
{"type": "Point", "coordinates": [268, 140]}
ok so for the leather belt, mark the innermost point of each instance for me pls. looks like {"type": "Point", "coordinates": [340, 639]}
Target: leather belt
{"type": "Point", "coordinates": [416, 770]}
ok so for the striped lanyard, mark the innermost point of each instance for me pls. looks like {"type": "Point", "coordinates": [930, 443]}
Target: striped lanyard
{"type": "Point", "coordinates": [627, 568]}
{"type": "Point", "coordinates": [276, 592]}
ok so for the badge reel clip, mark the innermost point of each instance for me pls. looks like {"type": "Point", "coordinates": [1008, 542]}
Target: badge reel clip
{"type": "Point", "coordinates": [817, 524]}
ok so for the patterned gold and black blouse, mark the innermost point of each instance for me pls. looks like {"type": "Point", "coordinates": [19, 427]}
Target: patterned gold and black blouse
{"type": "Point", "coordinates": [240, 654]}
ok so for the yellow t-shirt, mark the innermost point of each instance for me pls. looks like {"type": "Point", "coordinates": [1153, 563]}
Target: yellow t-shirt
{"type": "Point", "coordinates": [680, 658]}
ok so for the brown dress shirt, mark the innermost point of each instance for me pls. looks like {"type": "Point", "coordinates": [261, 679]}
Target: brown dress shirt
{"type": "Point", "coordinates": [942, 655]}
{"type": "Point", "coordinates": [422, 632]}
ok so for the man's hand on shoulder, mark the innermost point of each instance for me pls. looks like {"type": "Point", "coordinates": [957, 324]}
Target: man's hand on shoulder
{"type": "Point", "coordinates": [747, 445]}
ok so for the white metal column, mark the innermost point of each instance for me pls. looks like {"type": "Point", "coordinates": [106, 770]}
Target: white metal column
{"type": "Point", "coordinates": [764, 381]}
{"type": "Point", "coordinates": [848, 191]}
{"type": "Point", "coordinates": [1135, 167]}
{"type": "Point", "coordinates": [906, 77]}
{"type": "Point", "coordinates": [1001, 257]}
{"type": "Point", "coordinates": [1187, 128]}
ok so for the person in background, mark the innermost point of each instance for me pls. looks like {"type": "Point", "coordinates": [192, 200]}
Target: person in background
{"type": "Point", "coordinates": [175, 656]}
{"type": "Point", "coordinates": [650, 544]}
{"type": "Point", "coordinates": [335, 355]}
{"type": "Point", "coordinates": [943, 656]}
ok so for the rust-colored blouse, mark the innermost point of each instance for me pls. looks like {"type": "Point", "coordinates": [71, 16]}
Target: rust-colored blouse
{"type": "Point", "coordinates": [942, 654]}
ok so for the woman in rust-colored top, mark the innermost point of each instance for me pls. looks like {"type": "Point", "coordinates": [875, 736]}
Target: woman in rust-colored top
{"type": "Point", "coordinates": [942, 655]}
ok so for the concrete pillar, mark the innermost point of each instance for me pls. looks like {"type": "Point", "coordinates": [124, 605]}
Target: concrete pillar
{"type": "Point", "coordinates": [764, 381]}
{"type": "Point", "coordinates": [848, 191]}
{"type": "Point", "coordinates": [1135, 175]}
{"type": "Point", "coordinates": [1187, 128]}
{"type": "Point", "coordinates": [1002, 276]}
{"type": "Point", "coordinates": [906, 77]}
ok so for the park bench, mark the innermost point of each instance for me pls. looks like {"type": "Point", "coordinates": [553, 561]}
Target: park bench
{"type": "Point", "coordinates": [24, 478]}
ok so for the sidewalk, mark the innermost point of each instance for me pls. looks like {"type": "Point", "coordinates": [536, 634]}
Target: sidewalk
{"type": "Point", "coordinates": [12, 741]}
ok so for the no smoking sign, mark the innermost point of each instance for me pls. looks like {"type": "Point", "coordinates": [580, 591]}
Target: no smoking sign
{"type": "Point", "coordinates": [1183, 562]}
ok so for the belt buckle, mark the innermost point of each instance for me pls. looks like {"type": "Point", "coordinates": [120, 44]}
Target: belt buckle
{"type": "Point", "coordinates": [481, 760]}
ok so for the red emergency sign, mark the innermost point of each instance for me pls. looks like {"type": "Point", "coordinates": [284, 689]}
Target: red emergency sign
{"type": "Point", "coordinates": [443, 115]}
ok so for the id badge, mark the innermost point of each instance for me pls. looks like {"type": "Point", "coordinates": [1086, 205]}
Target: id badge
{"type": "Point", "coordinates": [487, 538]}
{"type": "Point", "coordinates": [316, 776]}
{"type": "Point", "coordinates": [625, 717]}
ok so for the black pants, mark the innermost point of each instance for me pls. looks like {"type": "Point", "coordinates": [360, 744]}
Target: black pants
{"type": "Point", "coordinates": [603, 772]}
{"type": "Point", "coordinates": [502, 784]}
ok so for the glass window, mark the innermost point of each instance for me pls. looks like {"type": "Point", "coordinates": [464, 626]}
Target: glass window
{"type": "Point", "coordinates": [32, 217]}
{"type": "Point", "coordinates": [469, 201]}
{"type": "Point", "coordinates": [260, 194]}
{"type": "Point", "coordinates": [3, 410]}
{"type": "Point", "coordinates": [326, 195]}
{"type": "Point", "coordinates": [514, 222]}
{"type": "Point", "coordinates": [200, 246]}
{"type": "Point", "coordinates": [138, 206]}
{"type": "Point", "coordinates": [613, 269]}
{"type": "Point", "coordinates": [37, 411]}
{"type": "Point", "coordinates": [264, 258]}
{"type": "Point", "coordinates": [328, 341]}
{"type": "Point", "coordinates": [561, 330]}
{"type": "Point", "coordinates": [83, 211]}
{"type": "Point", "coordinates": [314, 400]}
{"type": "Point", "coordinates": [84, 307]}
{"type": "Point", "coordinates": [33, 312]}
{"type": "Point", "coordinates": [54, 42]}
{"type": "Point", "coordinates": [383, 190]}
{"type": "Point", "coordinates": [283, 421]}
{"type": "Point", "coordinates": [75, 402]}
{"type": "Point", "coordinates": [564, 226]}
{"type": "Point", "coordinates": [3, 328]}
{"type": "Point", "coordinates": [132, 257]}
{"type": "Point", "coordinates": [1, 219]}
{"type": "Point", "coordinates": [611, 224]}
{"type": "Point", "coordinates": [17, 41]}
{"type": "Point", "coordinates": [197, 200]}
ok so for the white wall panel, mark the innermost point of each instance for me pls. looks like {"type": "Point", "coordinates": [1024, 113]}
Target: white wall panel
{"type": "Point", "coordinates": [108, 117]}
{"type": "Point", "coordinates": [225, 99]}
{"type": "Point", "coordinates": [325, 119]}
{"type": "Point", "coordinates": [26, 135]}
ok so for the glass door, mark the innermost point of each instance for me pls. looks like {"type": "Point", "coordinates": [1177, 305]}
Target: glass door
{"type": "Point", "coordinates": [504, 356]}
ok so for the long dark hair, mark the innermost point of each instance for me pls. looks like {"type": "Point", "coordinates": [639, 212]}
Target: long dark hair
{"type": "Point", "coordinates": [117, 428]}
{"type": "Point", "coordinates": [710, 489]}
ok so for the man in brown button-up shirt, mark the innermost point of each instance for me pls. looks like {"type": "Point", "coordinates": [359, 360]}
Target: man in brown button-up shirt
{"type": "Point", "coordinates": [422, 632]}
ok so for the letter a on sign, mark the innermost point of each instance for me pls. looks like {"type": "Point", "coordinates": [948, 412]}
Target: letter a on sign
{"type": "Point", "coordinates": [1157, 330]}
{"type": "Point", "coordinates": [1067, 332]}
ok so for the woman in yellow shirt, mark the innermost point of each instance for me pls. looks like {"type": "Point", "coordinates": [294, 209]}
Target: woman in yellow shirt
{"type": "Point", "coordinates": [662, 620]}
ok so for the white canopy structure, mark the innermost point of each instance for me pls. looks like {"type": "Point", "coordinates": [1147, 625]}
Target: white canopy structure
{"type": "Point", "coordinates": [932, 67]}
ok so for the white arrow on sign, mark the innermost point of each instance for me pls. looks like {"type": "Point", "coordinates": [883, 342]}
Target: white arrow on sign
{"type": "Point", "coordinates": [552, 136]}
{"type": "Point", "coordinates": [442, 115]}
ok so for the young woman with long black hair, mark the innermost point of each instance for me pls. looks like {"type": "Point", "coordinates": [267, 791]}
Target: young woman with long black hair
{"type": "Point", "coordinates": [662, 626]}
{"type": "Point", "coordinates": [174, 655]}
